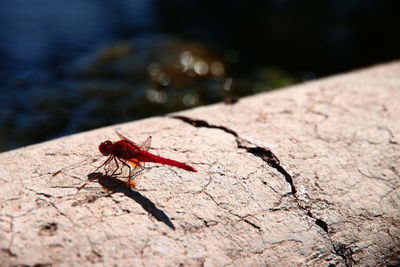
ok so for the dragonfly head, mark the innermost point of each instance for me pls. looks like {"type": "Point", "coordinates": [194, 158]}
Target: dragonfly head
{"type": "Point", "coordinates": [104, 147]}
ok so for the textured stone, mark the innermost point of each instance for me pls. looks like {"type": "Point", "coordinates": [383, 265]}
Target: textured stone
{"type": "Point", "coordinates": [307, 175]}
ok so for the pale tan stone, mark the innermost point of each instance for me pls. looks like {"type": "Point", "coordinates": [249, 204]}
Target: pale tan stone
{"type": "Point", "coordinates": [308, 175]}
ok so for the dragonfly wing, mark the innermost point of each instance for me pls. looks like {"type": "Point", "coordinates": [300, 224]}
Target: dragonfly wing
{"type": "Point", "coordinates": [78, 164]}
{"type": "Point", "coordinates": [146, 144]}
{"type": "Point", "coordinates": [126, 139]}
{"type": "Point", "coordinates": [143, 146]}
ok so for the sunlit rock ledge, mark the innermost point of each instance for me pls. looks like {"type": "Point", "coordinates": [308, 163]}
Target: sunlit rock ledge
{"type": "Point", "coordinates": [307, 175]}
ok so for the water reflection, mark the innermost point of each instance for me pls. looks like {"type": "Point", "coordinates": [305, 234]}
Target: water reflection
{"type": "Point", "coordinates": [68, 66]}
{"type": "Point", "coordinates": [121, 81]}
{"type": "Point", "coordinates": [155, 96]}
{"type": "Point", "coordinates": [190, 100]}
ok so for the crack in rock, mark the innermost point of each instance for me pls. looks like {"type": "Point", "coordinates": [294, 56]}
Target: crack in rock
{"type": "Point", "coordinates": [260, 152]}
{"type": "Point", "coordinates": [39, 193]}
{"type": "Point", "coordinates": [269, 157]}
{"type": "Point", "coordinates": [252, 224]}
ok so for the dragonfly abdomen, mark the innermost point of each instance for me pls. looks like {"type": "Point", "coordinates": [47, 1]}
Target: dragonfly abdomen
{"type": "Point", "coordinates": [148, 157]}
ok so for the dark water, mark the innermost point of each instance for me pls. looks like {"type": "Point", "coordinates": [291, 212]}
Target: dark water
{"type": "Point", "coordinates": [69, 66]}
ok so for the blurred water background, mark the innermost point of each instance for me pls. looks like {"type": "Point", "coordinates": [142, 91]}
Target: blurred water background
{"type": "Point", "coordinates": [69, 66]}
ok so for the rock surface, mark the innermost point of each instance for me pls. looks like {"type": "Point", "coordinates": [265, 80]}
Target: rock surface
{"type": "Point", "coordinates": [308, 175]}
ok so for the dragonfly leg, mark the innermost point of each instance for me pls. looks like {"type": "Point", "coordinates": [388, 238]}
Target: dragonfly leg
{"type": "Point", "coordinates": [116, 169]}
{"type": "Point", "coordinates": [124, 163]}
{"type": "Point", "coordinates": [104, 163]}
{"type": "Point", "coordinates": [131, 175]}
{"type": "Point", "coordinates": [129, 182]}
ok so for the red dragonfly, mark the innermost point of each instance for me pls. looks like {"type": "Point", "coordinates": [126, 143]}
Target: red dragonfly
{"type": "Point", "coordinates": [127, 153]}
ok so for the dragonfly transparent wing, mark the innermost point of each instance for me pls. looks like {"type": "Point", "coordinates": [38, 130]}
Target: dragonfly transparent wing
{"type": "Point", "coordinates": [146, 144]}
{"type": "Point", "coordinates": [126, 139]}
{"type": "Point", "coordinates": [78, 164]}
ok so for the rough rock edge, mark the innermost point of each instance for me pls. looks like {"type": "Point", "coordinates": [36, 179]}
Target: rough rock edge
{"type": "Point", "coordinates": [269, 157]}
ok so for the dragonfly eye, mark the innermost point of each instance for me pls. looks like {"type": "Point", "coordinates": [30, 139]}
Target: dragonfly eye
{"type": "Point", "coordinates": [104, 147]}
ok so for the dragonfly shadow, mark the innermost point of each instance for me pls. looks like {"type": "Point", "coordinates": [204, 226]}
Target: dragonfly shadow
{"type": "Point", "coordinates": [117, 186]}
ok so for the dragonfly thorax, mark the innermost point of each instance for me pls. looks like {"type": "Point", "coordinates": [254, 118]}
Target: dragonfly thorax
{"type": "Point", "coordinates": [105, 146]}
